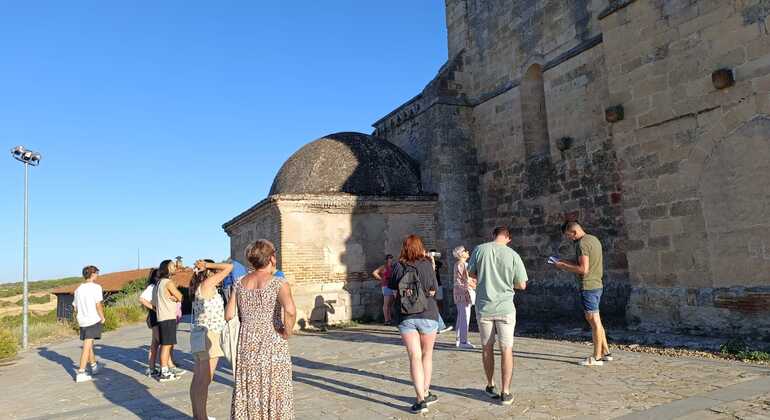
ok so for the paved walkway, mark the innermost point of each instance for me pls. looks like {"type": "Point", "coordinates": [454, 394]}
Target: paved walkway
{"type": "Point", "coordinates": [363, 374]}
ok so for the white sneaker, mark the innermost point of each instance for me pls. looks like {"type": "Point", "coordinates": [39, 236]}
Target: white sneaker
{"type": "Point", "coordinates": [95, 368]}
{"type": "Point", "coordinates": [167, 377]}
{"type": "Point", "coordinates": [608, 357]}
{"type": "Point", "coordinates": [591, 362]}
{"type": "Point", "coordinates": [83, 377]}
{"type": "Point", "coordinates": [467, 346]}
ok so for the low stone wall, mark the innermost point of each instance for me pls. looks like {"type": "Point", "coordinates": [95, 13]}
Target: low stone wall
{"type": "Point", "coordinates": [559, 299]}
{"type": "Point", "coordinates": [728, 311]}
{"type": "Point", "coordinates": [338, 302]}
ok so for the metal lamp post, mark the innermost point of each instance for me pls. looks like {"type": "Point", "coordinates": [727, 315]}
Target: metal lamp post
{"type": "Point", "coordinates": [27, 157]}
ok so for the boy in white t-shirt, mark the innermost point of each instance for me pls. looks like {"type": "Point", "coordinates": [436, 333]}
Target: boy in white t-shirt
{"type": "Point", "coordinates": [90, 316]}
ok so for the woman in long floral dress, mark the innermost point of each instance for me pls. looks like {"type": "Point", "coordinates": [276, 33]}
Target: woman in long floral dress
{"type": "Point", "coordinates": [263, 389]}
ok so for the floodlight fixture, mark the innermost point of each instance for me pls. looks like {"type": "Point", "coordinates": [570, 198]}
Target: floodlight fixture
{"type": "Point", "coordinates": [28, 158]}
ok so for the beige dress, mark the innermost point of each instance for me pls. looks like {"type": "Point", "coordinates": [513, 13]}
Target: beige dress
{"type": "Point", "coordinates": [263, 387]}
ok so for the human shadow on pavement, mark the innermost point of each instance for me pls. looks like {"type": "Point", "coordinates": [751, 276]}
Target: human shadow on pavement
{"type": "Point", "coordinates": [121, 390]}
{"type": "Point", "coordinates": [378, 337]}
{"type": "Point", "coordinates": [297, 361]}
{"type": "Point", "coordinates": [358, 336]}
{"type": "Point", "coordinates": [67, 363]}
{"type": "Point", "coordinates": [519, 353]}
{"type": "Point", "coordinates": [346, 389]}
{"type": "Point", "coordinates": [135, 358]}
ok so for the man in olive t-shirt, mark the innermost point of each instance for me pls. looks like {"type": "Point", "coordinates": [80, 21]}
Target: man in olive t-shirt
{"type": "Point", "coordinates": [589, 271]}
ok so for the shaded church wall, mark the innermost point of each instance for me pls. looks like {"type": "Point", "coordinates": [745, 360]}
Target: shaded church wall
{"type": "Point", "coordinates": [434, 129]}
{"type": "Point", "coordinates": [695, 162]}
{"type": "Point", "coordinates": [520, 77]}
{"type": "Point", "coordinates": [331, 245]}
{"type": "Point", "coordinates": [538, 85]}
{"type": "Point", "coordinates": [675, 188]}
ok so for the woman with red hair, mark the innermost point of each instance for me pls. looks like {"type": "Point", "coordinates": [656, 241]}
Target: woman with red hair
{"type": "Point", "coordinates": [414, 279]}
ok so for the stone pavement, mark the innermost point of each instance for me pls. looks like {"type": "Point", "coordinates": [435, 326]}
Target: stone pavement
{"type": "Point", "coordinates": [362, 373]}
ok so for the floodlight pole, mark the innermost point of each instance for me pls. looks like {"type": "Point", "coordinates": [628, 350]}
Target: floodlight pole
{"type": "Point", "coordinates": [27, 157]}
{"type": "Point", "coordinates": [25, 311]}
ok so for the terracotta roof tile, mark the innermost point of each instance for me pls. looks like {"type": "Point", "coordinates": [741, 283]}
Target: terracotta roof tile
{"type": "Point", "coordinates": [113, 282]}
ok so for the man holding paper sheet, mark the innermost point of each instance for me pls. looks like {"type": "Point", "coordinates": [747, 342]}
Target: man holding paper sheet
{"type": "Point", "coordinates": [589, 270]}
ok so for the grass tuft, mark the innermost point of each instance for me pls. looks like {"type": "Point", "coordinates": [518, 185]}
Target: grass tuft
{"type": "Point", "coordinates": [738, 349]}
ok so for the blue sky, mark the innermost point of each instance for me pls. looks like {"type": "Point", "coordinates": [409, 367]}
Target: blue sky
{"type": "Point", "coordinates": [159, 121]}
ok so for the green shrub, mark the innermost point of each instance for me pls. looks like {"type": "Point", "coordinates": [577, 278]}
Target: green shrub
{"type": "Point", "coordinates": [111, 321]}
{"type": "Point", "coordinates": [8, 344]}
{"type": "Point", "coordinates": [124, 309]}
{"type": "Point", "coordinates": [733, 347]}
{"type": "Point", "coordinates": [740, 350]}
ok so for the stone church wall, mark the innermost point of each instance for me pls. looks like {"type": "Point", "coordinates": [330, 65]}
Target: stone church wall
{"type": "Point", "coordinates": [677, 189]}
{"type": "Point", "coordinates": [696, 162]}
{"type": "Point", "coordinates": [258, 222]}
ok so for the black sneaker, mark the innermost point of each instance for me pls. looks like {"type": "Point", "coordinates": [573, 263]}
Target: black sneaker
{"type": "Point", "coordinates": [419, 407]}
{"type": "Point", "coordinates": [492, 392]}
{"type": "Point", "coordinates": [506, 399]}
{"type": "Point", "coordinates": [431, 398]}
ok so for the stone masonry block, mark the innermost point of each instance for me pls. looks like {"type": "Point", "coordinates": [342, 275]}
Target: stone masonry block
{"type": "Point", "coordinates": [685, 208]}
{"type": "Point", "coordinates": [666, 227]}
{"type": "Point", "coordinates": [655, 212]}
{"type": "Point", "coordinates": [659, 242]}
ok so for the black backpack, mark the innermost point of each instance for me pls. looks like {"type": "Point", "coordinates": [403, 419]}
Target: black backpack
{"type": "Point", "coordinates": [411, 295]}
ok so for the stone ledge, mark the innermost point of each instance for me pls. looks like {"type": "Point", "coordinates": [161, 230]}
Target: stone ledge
{"type": "Point", "coordinates": [614, 6]}
{"type": "Point", "coordinates": [331, 200]}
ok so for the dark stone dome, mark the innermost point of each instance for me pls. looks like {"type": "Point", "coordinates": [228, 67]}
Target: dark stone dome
{"type": "Point", "coordinates": [352, 163]}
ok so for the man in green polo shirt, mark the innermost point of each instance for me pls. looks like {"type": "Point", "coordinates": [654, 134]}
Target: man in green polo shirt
{"type": "Point", "coordinates": [589, 270]}
{"type": "Point", "coordinates": [499, 271]}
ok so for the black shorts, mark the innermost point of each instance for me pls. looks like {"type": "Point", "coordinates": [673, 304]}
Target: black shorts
{"type": "Point", "coordinates": [91, 331]}
{"type": "Point", "coordinates": [152, 319]}
{"type": "Point", "coordinates": [167, 331]}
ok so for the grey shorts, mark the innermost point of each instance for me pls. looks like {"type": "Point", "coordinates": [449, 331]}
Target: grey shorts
{"type": "Point", "coordinates": [91, 332]}
{"type": "Point", "coordinates": [497, 327]}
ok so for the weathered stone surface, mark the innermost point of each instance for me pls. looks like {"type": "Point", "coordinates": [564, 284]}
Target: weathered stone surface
{"type": "Point", "coordinates": [328, 245]}
{"type": "Point", "coordinates": [735, 311]}
{"type": "Point", "coordinates": [363, 373]}
{"type": "Point", "coordinates": [352, 163]}
{"type": "Point", "coordinates": [677, 191]}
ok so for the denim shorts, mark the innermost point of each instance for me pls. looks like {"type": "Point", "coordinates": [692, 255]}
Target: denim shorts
{"type": "Point", "coordinates": [591, 300]}
{"type": "Point", "coordinates": [420, 325]}
{"type": "Point", "coordinates": [386, 291]}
